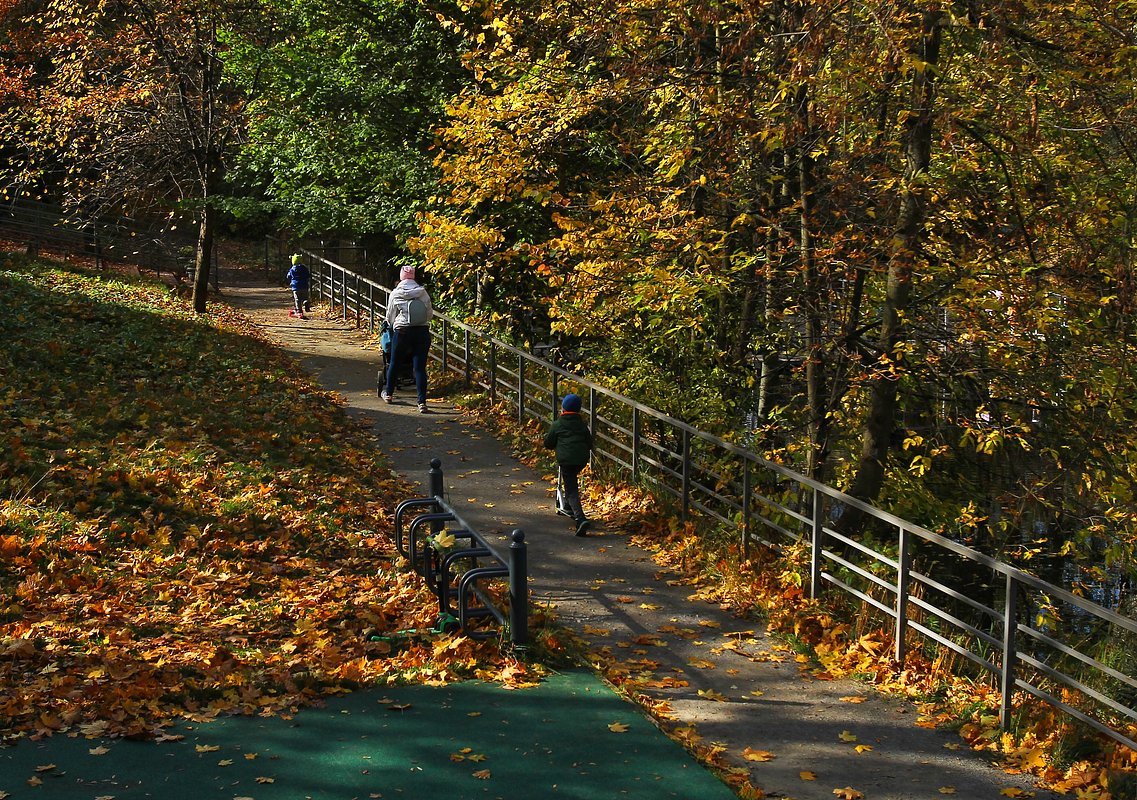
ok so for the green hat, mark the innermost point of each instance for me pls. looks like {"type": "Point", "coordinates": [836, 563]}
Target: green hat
{"type": "Point", "coordinates": [297, 258]}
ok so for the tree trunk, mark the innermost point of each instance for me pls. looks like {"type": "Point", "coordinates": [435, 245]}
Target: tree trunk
{"type": "Point", "coordinates": [884, 396]}
{"type": "Point", "coordinates": [814, 325]}
{"type": "Point", "coordinates": [203, 258]}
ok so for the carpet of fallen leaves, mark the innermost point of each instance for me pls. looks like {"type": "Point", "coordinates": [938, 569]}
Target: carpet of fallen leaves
{"type": "Point", "coordinates": [188, 526]}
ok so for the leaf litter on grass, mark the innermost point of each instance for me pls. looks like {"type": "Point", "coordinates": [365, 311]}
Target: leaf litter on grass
{"type": "Point", "coordinates": [188, 526]}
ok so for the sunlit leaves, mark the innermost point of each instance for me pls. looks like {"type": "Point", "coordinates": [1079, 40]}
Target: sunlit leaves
{"type": "Point", "coordinates": [126, 108]}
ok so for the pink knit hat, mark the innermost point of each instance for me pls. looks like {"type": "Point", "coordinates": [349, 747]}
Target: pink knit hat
{"type": "Point", "coordinates": [407, 274]}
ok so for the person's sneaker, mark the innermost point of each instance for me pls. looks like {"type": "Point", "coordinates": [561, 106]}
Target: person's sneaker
{"type": "Point", "coordinates": [582, 526]}
{"type": "Point", "coordinates": [422, 408]}
{"type": "Point", "coordinates": [387, 396]}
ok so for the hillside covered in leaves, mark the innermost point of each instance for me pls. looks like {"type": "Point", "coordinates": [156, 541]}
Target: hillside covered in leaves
{"type": "Point", "coordinates": [187, 525]}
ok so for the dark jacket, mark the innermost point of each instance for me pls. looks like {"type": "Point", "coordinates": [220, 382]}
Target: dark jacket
{"type": "Point", "coordinates": [570, 436]}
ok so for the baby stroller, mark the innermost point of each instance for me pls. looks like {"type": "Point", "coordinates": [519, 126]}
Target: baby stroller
{"type": "Point", "coordinates": [405, 371]}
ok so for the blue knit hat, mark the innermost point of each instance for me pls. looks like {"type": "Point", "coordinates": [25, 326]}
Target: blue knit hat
{"type": "Point", "coordinates": [571, 402]}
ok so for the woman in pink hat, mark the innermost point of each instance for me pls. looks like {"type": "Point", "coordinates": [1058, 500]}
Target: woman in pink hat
{"type": "Point", "coordinates": [408, 313]}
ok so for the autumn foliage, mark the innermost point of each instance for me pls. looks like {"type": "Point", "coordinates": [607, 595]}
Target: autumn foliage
{"type": "Point", "coordinates": [187, 525]}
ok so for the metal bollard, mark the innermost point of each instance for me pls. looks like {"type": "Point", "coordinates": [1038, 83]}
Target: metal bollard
{"type": "Point", "coordinates": [434, 478]}
{"type": "Point", "coordinates": [436, 489]}
{"type": "Point", "coordinates": [518, 588]}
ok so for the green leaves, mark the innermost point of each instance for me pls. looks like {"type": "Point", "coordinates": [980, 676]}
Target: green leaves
{"type": "Point", "coordinates": [347, 101]}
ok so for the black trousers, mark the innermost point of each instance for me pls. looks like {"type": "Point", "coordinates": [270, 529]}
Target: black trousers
{"type": "Point", "coordinates": [570, 476]}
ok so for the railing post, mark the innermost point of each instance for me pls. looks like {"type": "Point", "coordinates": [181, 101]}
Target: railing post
{"type": "Point", "coordinates": [904, 561]}
{"type": "Point", "coordinates": [521, 389]}
{"type": "Point", "coordinates": [554, 390]}
{"type": "Point", "coordinates": [745, 509]}
{"type": "Point", "coordinates": [817, 542]}
{"type": "Point", "coordinates": [686, 473]}
{"type": "Point", "coordinates": [1010, 651]}
{"type": "Point", "coordinates": [636, 423]}
{"type": "Point", "coordinates": [445, 344]}
{"type": "Point", "coordinates": [493, 371]}
{"type": "Point", "coordinates": [371, 308]}
{"type": "Point", "coordinates": [343, 271]}
{"type": "Point", "coordinates": [593, 421]}
{"type": "Point", "coordinates": [466, 342]}
{"type": "Point", "coordinates": [518, 588]}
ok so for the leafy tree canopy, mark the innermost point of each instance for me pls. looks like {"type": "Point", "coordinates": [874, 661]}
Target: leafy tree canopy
{"type": "Point", "coordinates": [350, 94]}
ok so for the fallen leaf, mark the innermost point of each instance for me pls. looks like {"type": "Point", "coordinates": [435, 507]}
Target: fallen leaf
{"type": "Point", "coordinates": [711, 694]}
{"type": "Point", "coordinates": [483, 774]}
{"type": "Point", "coordinates": [863, 748]}
{"type": "Point", "coordinates": [225, 762]}
{"type": "Point", "coordinates": [207, 748]}
{"type": "Point", "coordinates": [618, 727]}
{"type": "Point", "coordinates": [846, 736]}
{"type": "Point", "coordinates": [757, 755]}
{"type": "Point", "coordinates": [1014, 791]}
{"type": "Point", "coordinates": [854, 698]}
{"type": "Point", "coordinates": [947, 790]}
{"type": "Point", "coordinates": [266, 780]}
{"type": "Point", "coordinates": [99, 751]}
{"type": "Point", "coordinates": [848, 793]}
{"type": "Point", "coordinates": [806, 775]}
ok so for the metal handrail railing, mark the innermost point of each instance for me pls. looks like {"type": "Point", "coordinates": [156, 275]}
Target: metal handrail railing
{"type": "Point", "coordinates": [770, 504]}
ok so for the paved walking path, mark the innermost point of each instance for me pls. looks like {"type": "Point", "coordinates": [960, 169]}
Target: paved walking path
{"type": "Point", "coordinates": [552, 741]}
{"type": "Point", "coordinates": [614, 594]}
